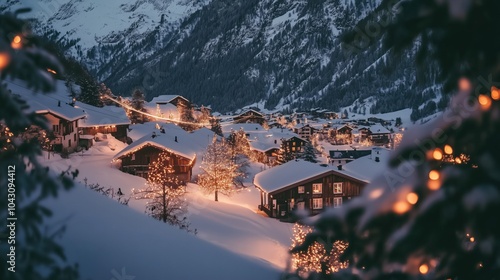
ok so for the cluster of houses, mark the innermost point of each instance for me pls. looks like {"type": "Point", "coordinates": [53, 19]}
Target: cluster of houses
{"type": "Point", "coordinates": [296, 184]}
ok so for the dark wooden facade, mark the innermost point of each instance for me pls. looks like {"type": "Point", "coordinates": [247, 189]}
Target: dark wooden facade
{"type": "Point", "coordinates": [137, 163]}
{"type": "Point", "coordinates": [293, 145]}
{"type": "Point", "coordinates": [250, 116]}
{"type": "Point", "coordinates": [336, 189]}
{"type": "Point", "coordinates": [118, 131]}
{"type": "Point", "coordinates": [305, 131]}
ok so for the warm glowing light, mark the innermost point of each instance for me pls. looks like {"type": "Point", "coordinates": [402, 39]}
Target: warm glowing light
{"type": "Point", "coordinates": [376, 193]}
{"type": "Point", "coordinates": [464, 84]}
{"type": "Point", "coordinates": [437, 154]}
{"type": "Point", "coordinates": [17, 39]}
{"type": "Point", "coordinates": [412, 198]}
{"type": "Point", "coordinates": [423, 269]}
{"type": "Point", "coordinates": [16, 42]}
{"type": "Point", "coordinates": [448, 150]}
{"type": "Point", "coordinates": [434, 175]}
{"type": "Point", "coordinates": [472, 239]}
{"type": "Point", "coordinates": [484, 101]}
{"type": "Point", "coordinates": [458, 160]}
{"type": "Point", "coordinates": [51, 71]}
{"type": "Point", "coordinates": [4, 60]}
{"type": "Point", "coordinates": [401, 207]}
{"type": "Point", "coordinates": [495, 93]}
{"type": "Point", "coordinates": [434, 185]}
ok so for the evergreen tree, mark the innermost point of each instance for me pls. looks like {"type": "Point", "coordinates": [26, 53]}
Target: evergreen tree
{"type": "Point", "coordinates": [309, 153]}
{"type": "Point", "coordinates": [25, 182]}
{"type": "Point", "coordinates": [219, 170]}
{"type": "Point", "coordinates": [165, 193]}
{"type": "Point", "coordinates": [215, 126]}
{"type": "Point", "coordinates": [425, 218]}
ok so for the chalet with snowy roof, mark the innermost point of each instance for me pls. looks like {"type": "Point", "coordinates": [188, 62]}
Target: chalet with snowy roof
{"type": "Point", "coordinates": [302, 185]}
{"type": "Point", "coordinates": [136, 157]}
{"type": "Point", "coordinates": [250, 116]}
{"type": "Point", "coordinates": [62, 117]}
{"type": "Point", "coordinates": [106, 120]}
{"type": "Point", "coordinates": [305, 131]}
{"type": "Point", "coordinates": [377, 134]}
{"type": "Point", "coordinates": [293, 144]}
{"type": "Point", "coordinates": [168, 106]}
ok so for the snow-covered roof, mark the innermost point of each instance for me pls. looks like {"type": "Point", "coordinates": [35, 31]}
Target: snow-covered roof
{"type": "Point", "coordinates": [164, 98]}
{"type": "Point", "coordinates": [247, 127]}
{"type": "Point", "coordinates": [292, 172]}
{"type": "Point", "coordinates": [49, 103]}
{"type": "Point", "coordinates": [378, 128]}
{"type": "Point", "coordinates": [367, 168]}
{"type": "Point", "coordinates": [263, 146]}
{"type": "Point", "coordinates": [98, 116]}
{"type": "Point", "coordinates": [164, 141]}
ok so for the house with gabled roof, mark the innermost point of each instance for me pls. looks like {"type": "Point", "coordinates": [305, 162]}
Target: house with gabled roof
{"type": "Point", "coordinates": [302, 185]}
{"type": "Point", "coordinates": [106, 120]}
{"type": "Point", "coordinates": [136, 157]}
{"type": "Point", "coordinates": [62, 117]}
{"type": "Point", "coordinates": [250, 116]}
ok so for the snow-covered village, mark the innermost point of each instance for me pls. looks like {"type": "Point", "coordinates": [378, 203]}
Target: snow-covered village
{"type": "Point", "coordinates": [258, 139]}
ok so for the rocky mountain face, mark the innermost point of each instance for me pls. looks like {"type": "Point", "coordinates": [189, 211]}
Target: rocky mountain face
{"type": "Point", "coordinates": [232, 53]}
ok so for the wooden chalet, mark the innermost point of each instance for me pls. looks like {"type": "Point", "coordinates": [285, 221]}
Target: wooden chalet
{"type": "Point", "coordinates": [293, 144]}
{"type": "Point", "coordinates": [136, 158]}
{"type": "Point", "coordinates": [305, 131]}
{"type": "Point", "coordinates": [63, 118]}
{"type": "Point", "coordinates": [250, 116]}
{"type": "Point", "coordinates": [377, 134]}
{"type": "Point", "coordinates": [301, 185]}
{"type": "Point", "coordinates": [106, 120]}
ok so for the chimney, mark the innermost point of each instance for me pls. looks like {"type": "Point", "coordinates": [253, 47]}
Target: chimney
{"type": "Point", "coordinates": [153, 135]}
{"type": "Point", "coordinates": [175, 139]}
{"type": "Point", "coordinates": [339, 167]}
{"type": "Point", "coordinates": [377, 159]}
{"type": "Point", "coordinates": [59, 103]}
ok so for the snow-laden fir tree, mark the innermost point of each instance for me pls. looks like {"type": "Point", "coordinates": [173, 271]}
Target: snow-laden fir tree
{"type": "Point", "coordinates": [37, 253]}
{"type": "Point", "coordinates": [219, 170]}
{"type": "Point", "coordinates": [309, 153]}
{"type": "Point", "coordinates": [165, 193]}
{"type": "Point", "coordinates": [426, 216]}
{"type": "Point", "coordinates": [240, 151]}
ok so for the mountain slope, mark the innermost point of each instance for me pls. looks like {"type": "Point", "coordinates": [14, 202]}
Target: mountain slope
{"type": "Point", "coordinates": [269, 53]}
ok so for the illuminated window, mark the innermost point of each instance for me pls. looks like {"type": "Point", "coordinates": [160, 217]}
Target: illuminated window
{"type": "Point", "coordinates": [317, 203]}
{"type": "Point", "coordinates": [337, 188]}
{"type": "Point", "coordinates": [317, 188]}
{"type": "Point", "coordinates": [337, 202]}
{"type": "Point", "coordinates": [293, 148]}
{"type": "Point", "coordinates": [301, 189]}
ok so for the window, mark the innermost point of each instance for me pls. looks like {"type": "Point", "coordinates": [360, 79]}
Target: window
{"type": "Point", "coordinates": [133, 156]}
{"type": "Point", "coordinates": [301, 189]}
{"type": "Point", "coordinates": [317, 188]}
{"type": "Point", "coordinates": [74, 137]}
{"type": "Point", "coordinates": [337, 202]}
{"type": "Point", "coordinates": [293, 149]}
{"type": "Point", "coordinates": [317, 203]}
{"type": "Point", "coordinates": [337, 187]}
{"type": "Point", "coordinates": [55, 128]}
{"type": "Point", "coordinates": [69, 143]}
{"type": "Point", "coordinates": [294, 143]}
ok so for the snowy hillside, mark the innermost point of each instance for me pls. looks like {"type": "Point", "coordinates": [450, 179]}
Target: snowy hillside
{"type": "Point", "coordinates": [230, 227]}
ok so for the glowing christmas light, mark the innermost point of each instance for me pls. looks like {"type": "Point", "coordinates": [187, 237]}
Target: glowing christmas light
{"type": "Point", "coordinates": [484, 101]}
{"type": "Point", "coordinates": [4, 60]}
{"type": "Point", "coordinates": [16, 42]}
{"type": "Point", "coordinates": [495, 93]}
{"type": "Point", "coordinates": [412, 198]}
{"type": "Point", "coordinates": [423, 269]}
{"type": "Point", "coordinates": [448, 149]}
{"type": "Point", "coordinates": [437, 154]}
{"type": "Point", "coordinates": [401, 207]}
{"type": "Point", "coordinates": [434, 185]}
{"type": "Point", "coordinates": [464, 84]}
{"type": "Point", "coordinates": [434, 175]}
